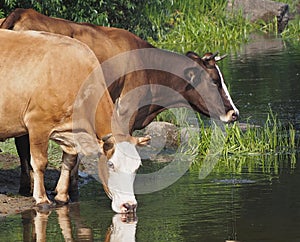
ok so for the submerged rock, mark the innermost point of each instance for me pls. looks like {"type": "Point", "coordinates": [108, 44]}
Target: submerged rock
{"type": "Point", "coordinates": [265, 10]}
{"type": "Point", "coordinates": [163, 134]}
{"type": "Point", "coordinates": [168, 136]}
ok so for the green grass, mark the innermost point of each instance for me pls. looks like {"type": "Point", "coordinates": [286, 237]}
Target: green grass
{"type": "Point", "coordinates": [198, 25]}
{"type": "Point", "coordinates": [271, 138]}
{"type": "Point", "coordinates": [54, 151]}
{"type": "Point", "coordinates": [207, 26]}
{"type": "Point", "coordinates": [236, 148]}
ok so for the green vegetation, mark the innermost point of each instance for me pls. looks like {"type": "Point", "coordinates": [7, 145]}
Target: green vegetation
{"type": "Point", "coordinates": [271, 138]}
{"type": "Point", "coordinates": [198, 25]}
{"type": "Point", "coordinates": [201, 25]}
{"type": "Point", "coordinates": [239, 147]}
{"type": "Point", "coordinates": [54, 151]}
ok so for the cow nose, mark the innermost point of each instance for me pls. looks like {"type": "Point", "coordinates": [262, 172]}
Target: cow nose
{"type": "Point", "coordinates": [235, 116]}
{"type": "Point", "coordinates": [129, 208]}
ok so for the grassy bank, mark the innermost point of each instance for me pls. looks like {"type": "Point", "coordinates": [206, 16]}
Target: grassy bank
{"type": "Point", "coordinates": [201, 25]}
{"type": "Point", "coordinates": [198, 25]}
{"type": "Point", "coordinates": [247, 139]}
{"type": "Point", "coordinates": [208, 26]}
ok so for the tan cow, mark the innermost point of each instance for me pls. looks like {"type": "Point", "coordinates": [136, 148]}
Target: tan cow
{"type": "Point", "coordinates": [52, 88]}
{"type": "Point", "coordinates": [197, 81]}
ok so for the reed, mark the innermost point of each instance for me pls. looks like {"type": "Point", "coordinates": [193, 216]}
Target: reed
{"type": "Point", "coordinates": [266, 148]}
{"type": "Point", "coordinates": [272, 137]}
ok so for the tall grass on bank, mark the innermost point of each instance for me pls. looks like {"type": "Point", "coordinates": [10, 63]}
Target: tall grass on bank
{"type": "Point", "coordinates": [198, 25]}
{"type": "Point", "coordinates": [271, 138]}
{"type": "Point", "coordinates": [240, 147]}
{"type": "Point", "coordinates": [245, 148]}
{"type": "Point", "coordinates": [238, 139]}
{"type": "Point", "coordinates": [292, 32]}
{"type": "Point", "coordinates": [207, 25]}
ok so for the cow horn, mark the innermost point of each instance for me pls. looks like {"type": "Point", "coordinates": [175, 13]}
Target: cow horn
{"type": "Point", "coordinates": [218, 58]}
{"type": "Point", "coordinates": [208, 58]}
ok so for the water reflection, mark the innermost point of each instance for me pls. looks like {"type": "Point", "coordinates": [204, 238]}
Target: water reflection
{"type": "Point", "coordinates": [73, 228]}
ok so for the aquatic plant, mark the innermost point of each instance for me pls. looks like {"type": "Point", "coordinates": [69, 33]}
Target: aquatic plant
{"type": "Point", "coordinates": [268, 147]}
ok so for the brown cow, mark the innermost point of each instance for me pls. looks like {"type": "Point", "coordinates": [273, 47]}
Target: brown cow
{"type": "Point", "coordinates": [205, 91]}
{"type": "Point", "coordinates": [52, 88]}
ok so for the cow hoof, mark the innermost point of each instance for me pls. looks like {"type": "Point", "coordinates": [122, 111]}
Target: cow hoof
{"type": "Point", "coordinates": [61, 203]}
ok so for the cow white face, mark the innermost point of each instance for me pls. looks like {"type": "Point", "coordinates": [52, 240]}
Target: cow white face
{"type": "Point", "coordinates": [123, 228]}
{"type": "Point", "coordinates": [122, 167]}
{"type": "Point", "coordinates": [117, 169]}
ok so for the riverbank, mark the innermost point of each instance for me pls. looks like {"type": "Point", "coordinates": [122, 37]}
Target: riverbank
{"type": "Point", "coordinates": [10, 201]}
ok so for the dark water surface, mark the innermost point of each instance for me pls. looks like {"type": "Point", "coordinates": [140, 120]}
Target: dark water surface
{"type": "Point", "coordinates": [250, 206]}
{"type": "Point", "coordinates": [264, 75]}
{"type": "Point", "coordinates": [254, 204]}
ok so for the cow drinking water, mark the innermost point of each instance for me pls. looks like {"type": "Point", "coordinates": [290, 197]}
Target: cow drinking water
{"type": "Point", "coordinates": [204, 91]}
{"type": "Point", "coordinates": [51, 89]}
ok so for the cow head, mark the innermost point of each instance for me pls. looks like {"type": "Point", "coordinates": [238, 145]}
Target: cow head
{"type": "Point", "coordinates": [206, 90]}
{"type": "Point", "coordinates": [117, 169]}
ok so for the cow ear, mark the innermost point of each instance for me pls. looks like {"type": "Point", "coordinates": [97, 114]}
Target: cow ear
{"type": "Point", "coordinates": [193, 55]}
{"type": "Point", "coordinates": [107, 145]}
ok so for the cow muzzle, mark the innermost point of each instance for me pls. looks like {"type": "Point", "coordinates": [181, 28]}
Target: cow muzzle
{"type": "Point", "coordinates": [129, 208]}
{"type": "Point", "coordinates": [230, 116]}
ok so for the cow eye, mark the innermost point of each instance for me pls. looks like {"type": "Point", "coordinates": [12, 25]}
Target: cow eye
{"type": "Point", "coordinates": [215, 82]}
{"type": "Point", "coordinates": [110, 165]}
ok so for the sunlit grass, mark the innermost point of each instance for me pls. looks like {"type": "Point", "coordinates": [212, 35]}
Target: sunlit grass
{"type": "Point", "coordinates": [207, 26]}
{"type": "Point", "coordinates": [199, 25]}
{"type": "Point", "coordinates": [240, 147]}
{"type": "Point", "coordinates": [54, 151]}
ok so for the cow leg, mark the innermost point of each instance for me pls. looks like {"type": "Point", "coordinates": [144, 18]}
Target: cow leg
{"type": "Point", "coordinates": [69, 162]}
{"type": "Point", "coordinates": [73, 188]}
{"type": "Point", "coordinates": [26, 179]}
{"type": "Point", "coordinates": [39, 161]}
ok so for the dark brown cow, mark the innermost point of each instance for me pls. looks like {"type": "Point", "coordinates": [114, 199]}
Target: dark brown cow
{"type": "Point", "coordinates": [52, 89]}
{"type": "Point", "coordinates": [204, 91]}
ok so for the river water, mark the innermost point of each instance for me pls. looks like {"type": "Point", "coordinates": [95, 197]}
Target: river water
{"type": "Point", "coordinates": [253, 204]}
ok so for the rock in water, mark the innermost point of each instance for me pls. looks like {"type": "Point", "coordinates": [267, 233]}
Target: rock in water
{"type": "Point", "coordinates": [265, 10]}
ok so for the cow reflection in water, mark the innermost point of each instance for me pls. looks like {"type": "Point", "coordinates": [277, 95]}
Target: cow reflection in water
{"type": "Point", "coordinates": [123, 227]}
